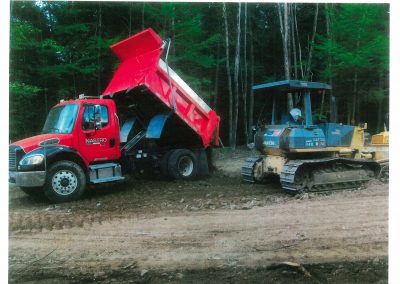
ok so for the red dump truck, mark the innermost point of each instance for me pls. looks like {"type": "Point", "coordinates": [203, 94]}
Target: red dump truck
{"type": "Point", "coordinates": [147, 120]}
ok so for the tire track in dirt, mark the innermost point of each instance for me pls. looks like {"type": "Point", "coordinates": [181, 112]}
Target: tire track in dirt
{"type": "Point", "coordinates": [321, 229]}
{"type": "Point", "coordinates": [28, 216]}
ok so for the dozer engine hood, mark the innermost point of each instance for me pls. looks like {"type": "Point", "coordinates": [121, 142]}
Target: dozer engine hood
{"type": "Point", "coordinates": [283, 137]}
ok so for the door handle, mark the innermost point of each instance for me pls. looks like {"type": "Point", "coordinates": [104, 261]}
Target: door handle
{"type": "Point", "coordinates": [112, 142]}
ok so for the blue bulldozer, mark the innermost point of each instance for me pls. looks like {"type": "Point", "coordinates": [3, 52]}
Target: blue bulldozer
{"type": "Point", "coordinates": [307, 152]}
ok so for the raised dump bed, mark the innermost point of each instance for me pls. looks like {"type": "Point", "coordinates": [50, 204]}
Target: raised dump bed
{"type": "Point", "coordinates": [143, 76]}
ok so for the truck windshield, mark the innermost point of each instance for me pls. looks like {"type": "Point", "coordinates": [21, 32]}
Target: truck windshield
{"type": "Point", "coordinates": [61, 119]}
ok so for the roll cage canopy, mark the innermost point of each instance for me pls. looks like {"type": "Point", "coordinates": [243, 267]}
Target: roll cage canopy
{"type": "Point", "coordinates": [289, 86]}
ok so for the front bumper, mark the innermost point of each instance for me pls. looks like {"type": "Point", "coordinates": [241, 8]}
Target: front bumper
{"type": "Point", "coordinates": [27, 179]}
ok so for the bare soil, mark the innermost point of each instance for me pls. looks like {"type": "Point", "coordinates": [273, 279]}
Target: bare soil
{"type": "Point", "coordinates": [218, 230]}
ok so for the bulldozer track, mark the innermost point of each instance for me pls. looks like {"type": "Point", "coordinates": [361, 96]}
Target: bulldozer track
{"type": "Point", "coordinates": [294, 180]}
{"type": "Point", "coordinates": [248, 170]}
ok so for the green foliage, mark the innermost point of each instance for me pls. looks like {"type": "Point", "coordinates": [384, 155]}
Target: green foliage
{"type": "Point", "coordinates": [60, 49]}
{"type": "Point", "coordinates": [359, 39]}
{"type": "Point", "coordinates": [358, 47]}
{"type": "Point", "coordinates": [375, 95]}
{"type": "Point", "coordinates": [21, 89]}
{"type": "Point", "coordinates": [318, 116]}
{"type": "Point", "coordinates": [23, 117]}
{"type": "Point", "coordinates": [21, 35]}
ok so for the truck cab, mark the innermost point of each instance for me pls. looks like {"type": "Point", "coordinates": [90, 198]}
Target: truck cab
{"type": "Point", "coordinates": [77, 135]}
{"type": "Point", "coordinates": [83, 143]}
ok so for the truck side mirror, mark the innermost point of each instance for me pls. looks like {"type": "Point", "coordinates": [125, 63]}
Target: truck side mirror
{"type": "Point", "coordinates": [88, 122]}
{"type": "Point", "coordinates": [97, 117]}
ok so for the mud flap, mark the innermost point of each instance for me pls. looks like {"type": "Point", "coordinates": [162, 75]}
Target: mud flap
{"type": "Point", "coordinates": [156, 126]}
{"type": "Point", "coordinates": [203, 169]}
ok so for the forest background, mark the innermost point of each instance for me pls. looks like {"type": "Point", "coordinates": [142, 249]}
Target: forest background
{"type": "Point", "coordinates": [59, 50]}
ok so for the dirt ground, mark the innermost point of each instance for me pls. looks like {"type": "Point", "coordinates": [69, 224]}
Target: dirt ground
{"type": "Point", "coordinates": [218, 230]}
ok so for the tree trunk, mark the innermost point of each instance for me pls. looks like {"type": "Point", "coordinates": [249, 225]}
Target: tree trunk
{"type": "Point", "coordinates": [173, 30]}
{"type": "Point", "coordinates": [329, 64]}
{"type": "Point", "coordinates": [45, 96]}
{"type": "Point", "coordinates": [245, 77]}
{"type": "Point", "coordinates": [130, 18]}
{"type": "Point", "coordinates": [333, 109]}
{"type": "Point", "coordinates": [251, 99]}
{"type": "Point", "coordinates": [143, 6]}
{"type": "Point", "coordinates": [99, 23]}
{"type": "Point", "coordinates": [236, 78]}
{"type": "Point", "coordinates": [333, 99]}
{"type": "Point", "coordinates": [380, 115]}
{"type": "Point", "coordinates": [284, 26]}
{"type": "Point", "coordinates": [333, 102]}
{"type": "Point", "coordinates": [215, 103]}
{"type": "Point", "coordinates": [299, 44]}
{"type": "Point", "coordinates": [353, 112]}
{"type": "Point", "coordinates": [228, 72]}
{"type": "Point", "coordinates": [308, 70]}
{"type": "Point", "coordinates": [348, 112]}
{"type": "Point", "coordinates": [358, 120]}
{"type": "Point", "coordinates": [294, 51]}
{"type": "Point", "coordinates": [321, 111]}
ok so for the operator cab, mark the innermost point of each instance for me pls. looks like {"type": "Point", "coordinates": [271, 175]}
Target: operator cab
{"type": "Point", "coordinates": [284, 128]}
{"type": "Point", "coordinates": [280, 114]}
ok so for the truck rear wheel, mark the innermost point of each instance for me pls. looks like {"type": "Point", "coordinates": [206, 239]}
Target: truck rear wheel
{"type": "Point", "coordinates": [65, 182]}
{"type": "Point", "coordinates": [182, 164]}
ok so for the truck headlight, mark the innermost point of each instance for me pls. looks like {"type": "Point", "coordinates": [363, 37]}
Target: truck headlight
{"type": "Point", "coordinates": [32, 160]}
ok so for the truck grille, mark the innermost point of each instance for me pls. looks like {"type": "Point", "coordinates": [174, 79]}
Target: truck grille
{"type": "Point", "coordinates": [13, 156]}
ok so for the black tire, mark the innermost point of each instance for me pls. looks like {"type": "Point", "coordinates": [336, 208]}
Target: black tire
{"type": "Point", "coordinates": [164, 164]}
{"type": "Point", "coordinates": [182, 164]}
{"type": "Point", "coordinates": [65, 182]}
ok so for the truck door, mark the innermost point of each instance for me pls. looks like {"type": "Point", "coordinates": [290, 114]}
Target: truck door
{"type": "Point", "coordinates": [99, 132]}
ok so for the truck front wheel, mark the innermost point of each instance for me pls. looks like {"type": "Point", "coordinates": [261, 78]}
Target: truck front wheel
{"type": "Point", "coordinates": [182, 164]}
{"type": "Point", "coordinates": [65, 182]}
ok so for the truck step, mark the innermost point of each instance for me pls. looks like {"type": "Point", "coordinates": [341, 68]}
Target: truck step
{"type": "Point", "coordinates": [108, 179]}
{"type": "Point", "coordinates": [106, 172]}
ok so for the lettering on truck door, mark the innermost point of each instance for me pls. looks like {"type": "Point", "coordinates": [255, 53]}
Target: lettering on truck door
{"type": "Point", "coordinates": [98, 144]}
